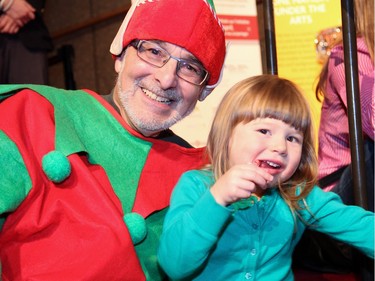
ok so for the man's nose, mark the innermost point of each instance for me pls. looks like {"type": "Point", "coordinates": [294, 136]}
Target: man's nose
{"type": "Point", "coordinates": [167, 75]}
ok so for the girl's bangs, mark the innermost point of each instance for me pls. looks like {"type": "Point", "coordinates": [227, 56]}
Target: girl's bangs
{"type": "Point", "coordinates": [288, 107]}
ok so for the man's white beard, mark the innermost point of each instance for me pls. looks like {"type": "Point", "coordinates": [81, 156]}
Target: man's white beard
{"type": "Point", "coordinates": [139, 119]}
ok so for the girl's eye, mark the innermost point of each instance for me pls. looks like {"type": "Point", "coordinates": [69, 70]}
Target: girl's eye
{"type": "Point", "coordinates": [294, 139]}
{"type": "Point", "coordinates": [263, 131]}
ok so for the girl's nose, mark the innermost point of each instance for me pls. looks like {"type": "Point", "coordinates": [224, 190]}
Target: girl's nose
{"type": "Point", "coordinates": [167, 75]}
{"type": "Point", "coordinates": [279, 145]}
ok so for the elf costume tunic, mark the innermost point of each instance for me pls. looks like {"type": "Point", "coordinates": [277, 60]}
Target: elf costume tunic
{"type": "Point", "coordinates": [75, 184]}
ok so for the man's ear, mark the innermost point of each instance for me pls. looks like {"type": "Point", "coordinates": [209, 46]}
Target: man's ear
{"type": "Point", "coordinates": [118, 64]}
{"type": "Point", "coordinates": [205, 92]}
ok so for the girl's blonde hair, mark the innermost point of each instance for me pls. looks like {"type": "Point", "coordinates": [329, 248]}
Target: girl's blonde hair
{"type": "Point", "coordinates": [364, 22]}
{"type": "Point", "coordinates": [265, 96]}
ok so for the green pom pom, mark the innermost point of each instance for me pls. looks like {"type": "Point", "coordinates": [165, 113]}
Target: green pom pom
{"type": "Point", "coordinates": [56, 166]}
{"type": "Point", "coordinates": [137, 227]}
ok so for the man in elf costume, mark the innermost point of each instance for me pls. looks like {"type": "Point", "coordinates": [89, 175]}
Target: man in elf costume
{"type": "Point", "coordinates": [84, 186]}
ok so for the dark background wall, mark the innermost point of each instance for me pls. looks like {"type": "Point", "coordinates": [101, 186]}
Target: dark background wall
{"type": "Point", "coordinates": [89, 26]}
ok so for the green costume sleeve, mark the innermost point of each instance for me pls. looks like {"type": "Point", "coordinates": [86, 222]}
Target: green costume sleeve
{"type": "Point", "coordinates": [15, 182]}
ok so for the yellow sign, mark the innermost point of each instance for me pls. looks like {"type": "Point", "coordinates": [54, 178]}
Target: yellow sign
{"type": "Point", "coordinates": [297, 24]}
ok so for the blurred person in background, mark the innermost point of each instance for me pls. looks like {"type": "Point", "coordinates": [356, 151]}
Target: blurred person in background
{"type": "Point", "coordinates": [24, 42]}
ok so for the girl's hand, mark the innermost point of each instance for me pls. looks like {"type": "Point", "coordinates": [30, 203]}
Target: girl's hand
{"type": "Point", "coordinates": [240, 182]}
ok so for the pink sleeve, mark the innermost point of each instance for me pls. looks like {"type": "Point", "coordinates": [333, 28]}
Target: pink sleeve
{"type": "Point", "coordinates": [366, 86]}
{"type": "Point", "coordinates": [367, 89]}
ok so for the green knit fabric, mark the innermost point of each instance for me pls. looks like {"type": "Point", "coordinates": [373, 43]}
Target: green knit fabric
{"type": "Point", "coordinates": [15, 188]}
{"type": "Point", "coordinates": [146, 251]}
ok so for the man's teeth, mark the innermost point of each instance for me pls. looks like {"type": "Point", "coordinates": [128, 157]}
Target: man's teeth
{"type": "Point", "coordinates": [155, 97]}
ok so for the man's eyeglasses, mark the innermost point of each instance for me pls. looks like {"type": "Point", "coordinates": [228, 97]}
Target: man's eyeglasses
{"type": "Point", "coordinates": [152, 53]}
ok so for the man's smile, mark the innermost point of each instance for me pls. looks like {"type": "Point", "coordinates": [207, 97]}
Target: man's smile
{"type": "Point", "coordinates": [155, 97]}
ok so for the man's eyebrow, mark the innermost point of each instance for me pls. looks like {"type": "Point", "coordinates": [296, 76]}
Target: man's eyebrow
{"type": "Point", "coordinates": [194, 59]}
{"type": "Point", "coordinates": [190, 57]}
{"type": "Point", "coordinates": [159, 42]}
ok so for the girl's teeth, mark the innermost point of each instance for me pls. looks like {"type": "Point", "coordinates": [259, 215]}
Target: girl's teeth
{"type": "Point", "coordinates": [274, 165]}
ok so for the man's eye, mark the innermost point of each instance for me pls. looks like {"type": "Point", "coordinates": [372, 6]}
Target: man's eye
{"type": "Point", "coordinates": [154, 52]}
{"type": "Point", "coordinates": [191, 69]}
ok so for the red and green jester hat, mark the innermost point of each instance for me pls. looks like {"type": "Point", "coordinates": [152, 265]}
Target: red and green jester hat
{"type": "Point", "coordinates": [83, 195]}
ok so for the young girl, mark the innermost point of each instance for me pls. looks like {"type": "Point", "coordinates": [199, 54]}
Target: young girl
{"type": "Point", "coordinates": [241, 218]}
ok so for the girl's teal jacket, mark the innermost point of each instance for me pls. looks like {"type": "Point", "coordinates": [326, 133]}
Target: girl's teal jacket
{"type": "Point", "coordinates": [203, 240]}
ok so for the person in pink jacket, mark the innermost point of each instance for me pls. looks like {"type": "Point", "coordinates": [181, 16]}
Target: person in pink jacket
{"type": "Point", "coordinates": [334, 148]}
{"type": "Point", "coordinates": [319, 251]}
